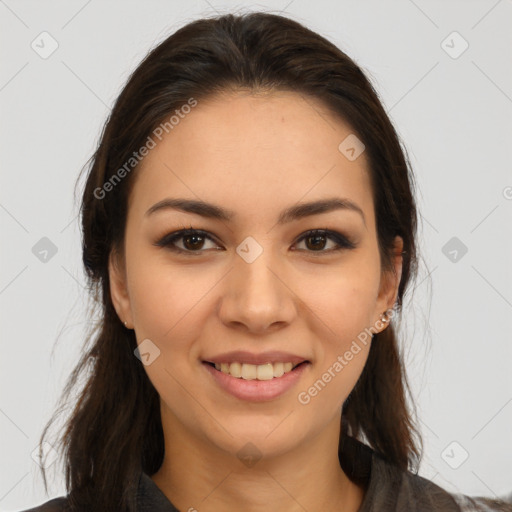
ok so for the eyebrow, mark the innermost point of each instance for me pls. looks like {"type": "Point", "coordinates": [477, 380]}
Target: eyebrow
{"type": "Point", "coordinates": [292, 213]}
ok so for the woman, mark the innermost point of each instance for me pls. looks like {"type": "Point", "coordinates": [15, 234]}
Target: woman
{"type": "Point", "coordinates": [249, 230]}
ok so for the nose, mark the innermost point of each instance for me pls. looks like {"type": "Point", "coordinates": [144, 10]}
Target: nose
{"type": "Point", "coordinates": [256, 296]}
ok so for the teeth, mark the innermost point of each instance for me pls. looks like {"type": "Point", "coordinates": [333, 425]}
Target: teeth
{"type": "Point", "coordinates": [245, 371]}
{"type": "Point", "coordinates": [264, 371]}
{"type": "Point", "coordinates": [235, 369]}
{"type": "Point", "coordinates": [278, 369]}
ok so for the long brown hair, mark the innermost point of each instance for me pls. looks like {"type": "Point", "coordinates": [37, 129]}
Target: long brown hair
{"type": "Point", "coordinates": [114, 430]}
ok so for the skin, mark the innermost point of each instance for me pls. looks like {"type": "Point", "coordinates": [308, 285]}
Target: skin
{"type": "Point", "coordinates": [255, 154]}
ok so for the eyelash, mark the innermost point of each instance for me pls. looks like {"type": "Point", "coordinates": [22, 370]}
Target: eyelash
{"type": "Point", "coordinates": [169, 240]}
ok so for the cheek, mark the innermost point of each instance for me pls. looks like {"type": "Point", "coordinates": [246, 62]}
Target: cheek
{"type": "Point", "coordinates": [344, 300]}
{"type": "Point", "coordinates": [169, 307]}
{"type": "Point", "coordinates": [343, 305]}
{"type": "Point", "coordinates": [166, 299]}
{"type": "Point", "coordinates": [341, 353]}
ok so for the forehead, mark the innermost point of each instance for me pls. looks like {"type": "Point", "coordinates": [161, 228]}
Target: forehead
{"type": "Point", "coordinates": [254, 153]}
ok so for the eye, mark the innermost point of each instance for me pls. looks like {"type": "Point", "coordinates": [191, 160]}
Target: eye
{"type": "Point", "coordinates": [316, 240]}
{"type": "Point", "coordinates": [192, 240]}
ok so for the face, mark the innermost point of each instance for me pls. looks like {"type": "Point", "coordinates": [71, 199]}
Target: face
{"type": "Point", "coordinates": [253, 281]}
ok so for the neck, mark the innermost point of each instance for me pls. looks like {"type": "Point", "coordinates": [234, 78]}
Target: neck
{"type": "Point", "coordinates": [198, 476]}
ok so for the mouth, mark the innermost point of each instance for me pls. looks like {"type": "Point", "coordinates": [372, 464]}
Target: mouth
{"type": "Point", "coordinates": [257, 383]}
{"type": "Point", "coordinates": [246, 371]}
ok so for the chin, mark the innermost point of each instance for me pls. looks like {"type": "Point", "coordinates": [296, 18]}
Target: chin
{"type": "Point", "coordinates": [247, 438]}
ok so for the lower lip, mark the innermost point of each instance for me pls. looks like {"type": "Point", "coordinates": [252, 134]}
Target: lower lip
{"type": "Point", "coordinates": [257, 390]}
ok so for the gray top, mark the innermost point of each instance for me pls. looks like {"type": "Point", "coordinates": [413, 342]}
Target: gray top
{"type": "Point", "coordinates": [387, 489]}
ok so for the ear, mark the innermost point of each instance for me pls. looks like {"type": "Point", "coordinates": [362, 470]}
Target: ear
{"type": "Point", "coordinates": [390, 281]}
{"type": "Point", "coordinates": [119, 289]}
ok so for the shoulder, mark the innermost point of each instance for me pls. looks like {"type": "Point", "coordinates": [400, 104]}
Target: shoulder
{"type": "Point", "coordinates": [407, 491]}
{"type": "Point", "coordinates": [54, 505]}
{"type": "Point", "coordinates": [481, 504]}
{"type": "Point", "coordinates": [395, 489]}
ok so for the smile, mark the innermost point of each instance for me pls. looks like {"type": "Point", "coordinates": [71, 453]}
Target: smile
{"type": "Point", "coordinates": [248, 386]}
{"type": "Point", "coordinates": [248, 371]}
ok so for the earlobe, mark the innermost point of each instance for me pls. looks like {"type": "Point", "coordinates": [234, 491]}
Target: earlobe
{"type": "Point", "coordinates": [119, 290]}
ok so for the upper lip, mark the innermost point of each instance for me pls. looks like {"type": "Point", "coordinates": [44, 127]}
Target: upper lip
{"type": "Point", "coordinates": [241, 356]}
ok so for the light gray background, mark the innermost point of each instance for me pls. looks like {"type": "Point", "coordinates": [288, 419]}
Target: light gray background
{"type": "Point", "coordinates": [453, 114]}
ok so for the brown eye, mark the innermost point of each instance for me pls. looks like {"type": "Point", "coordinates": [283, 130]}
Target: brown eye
{"type": "Point", "coordinates": [192, 241]}
{"type": "Point", "coordinates": [316, 240]}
